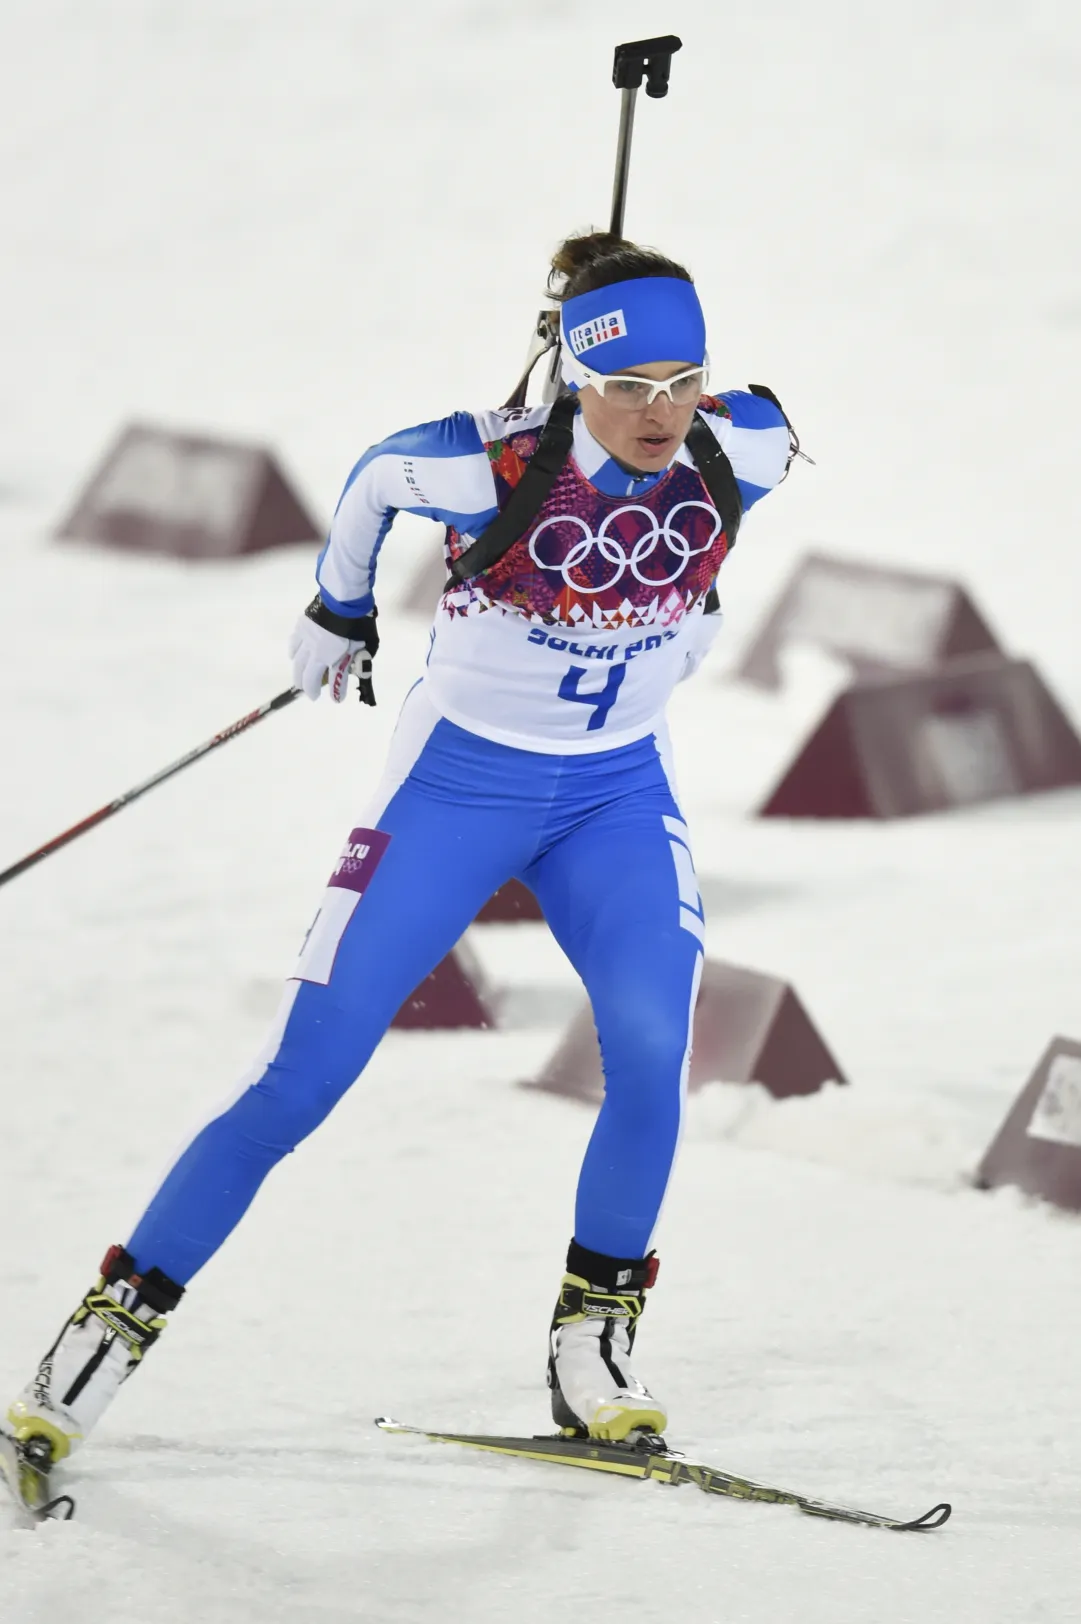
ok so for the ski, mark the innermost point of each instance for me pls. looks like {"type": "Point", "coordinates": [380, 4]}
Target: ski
{"type": "Point", "coordinates": [27, 1477]}
{"type": "Point", "coordinates": [648, 1456]}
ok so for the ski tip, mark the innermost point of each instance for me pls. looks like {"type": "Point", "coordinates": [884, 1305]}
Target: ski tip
{"type": "Point", "coordinates": [931, 1519]}
{"type": "Point", "coordinates": [61, 1509]}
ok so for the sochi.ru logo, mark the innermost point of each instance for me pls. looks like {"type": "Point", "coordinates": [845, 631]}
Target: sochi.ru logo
{"type": "Point", "coordinates": [352, 852]}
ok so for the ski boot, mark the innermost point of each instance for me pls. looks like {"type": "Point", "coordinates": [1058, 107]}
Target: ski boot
{"type": "Point", "coordinates": [595, 1393]}
{"type": "Point", "coordinates": [98, 1348]}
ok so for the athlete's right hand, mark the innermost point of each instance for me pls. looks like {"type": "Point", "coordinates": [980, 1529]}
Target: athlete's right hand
{"type": "Point", "coordinates": [323, 648]}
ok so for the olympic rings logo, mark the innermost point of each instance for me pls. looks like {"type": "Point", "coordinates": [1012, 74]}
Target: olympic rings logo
{"type": "Point", "coordinates": [613, 551]}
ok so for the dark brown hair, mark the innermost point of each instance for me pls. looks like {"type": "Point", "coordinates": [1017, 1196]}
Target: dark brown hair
{"type": "Point", "coordinates": [597, 258]}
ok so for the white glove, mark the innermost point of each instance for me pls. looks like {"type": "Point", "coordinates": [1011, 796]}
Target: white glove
{"type": "Point", "coordinates": [318, 656]}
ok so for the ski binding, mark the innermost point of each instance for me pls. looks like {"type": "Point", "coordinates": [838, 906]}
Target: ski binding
{"type": "Point", "coordinates": [26, 1468]}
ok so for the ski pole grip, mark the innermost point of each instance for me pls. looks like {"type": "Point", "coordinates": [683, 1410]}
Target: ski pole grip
{"type": "Point", "coordinates": [649, 59]}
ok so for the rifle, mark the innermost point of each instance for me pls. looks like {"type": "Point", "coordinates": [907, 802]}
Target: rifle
{"type": "Point", "coordinates": [648, 59]}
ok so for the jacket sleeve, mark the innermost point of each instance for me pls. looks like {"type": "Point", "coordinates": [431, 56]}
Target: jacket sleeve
{"type": "Point", "coordinates": [754, 433]}
{"type": "Point", "coordinates": [439, 470]}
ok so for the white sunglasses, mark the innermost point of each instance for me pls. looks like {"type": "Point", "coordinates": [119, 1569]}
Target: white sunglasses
{"type": "Point", "coordinates": [634, 394]}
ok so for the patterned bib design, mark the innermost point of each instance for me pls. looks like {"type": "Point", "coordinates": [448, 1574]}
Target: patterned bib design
{"type": "Point", "coordinates": [591, 560]}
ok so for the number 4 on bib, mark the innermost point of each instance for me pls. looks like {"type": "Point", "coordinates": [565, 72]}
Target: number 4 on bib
{"type": "Point", "coordinates": [601, 701]}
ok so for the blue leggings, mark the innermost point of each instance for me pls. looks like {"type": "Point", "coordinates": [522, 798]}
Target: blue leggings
{"type": "Point", "coordinates": [601, 841]}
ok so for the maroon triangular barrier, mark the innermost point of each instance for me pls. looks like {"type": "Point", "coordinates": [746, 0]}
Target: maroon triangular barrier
{"type": "Point", "coordinates": [877, 620]}
{"type": "Point", "coordinates": [422, 595]}
{"type": "Point", "coordinates": [748, 1027]}
{"type": "Point", "coordinates": [188, 495]}
{"type": "Point", "coordinates": [514, 903]}
{"type": "Point", "coordinates": [456, 994]}
{"type": "Point", "coordinates": [1038, 1147]}
{"type": "Point", "coordinates": [980, 730]}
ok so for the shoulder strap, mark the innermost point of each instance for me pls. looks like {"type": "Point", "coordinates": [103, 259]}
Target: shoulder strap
{"type": "Point", "coordinates": [526, 499]}
{"type": "Point", "coordinates": [717, 476]}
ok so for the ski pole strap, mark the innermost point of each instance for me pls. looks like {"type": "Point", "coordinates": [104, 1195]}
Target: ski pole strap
{"type": "Point", "coordinates": [526, 499]}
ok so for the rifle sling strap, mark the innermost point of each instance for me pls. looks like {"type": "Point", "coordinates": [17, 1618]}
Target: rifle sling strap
{"type": "Point", "coordinates": [526, 499]}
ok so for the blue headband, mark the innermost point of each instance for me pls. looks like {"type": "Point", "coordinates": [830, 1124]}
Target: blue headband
{"type": "Point", "coordinates": [627, 324]}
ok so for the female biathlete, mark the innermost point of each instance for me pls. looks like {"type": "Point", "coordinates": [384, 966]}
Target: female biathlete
{"type": "Point", "coordinates": [533, 746]}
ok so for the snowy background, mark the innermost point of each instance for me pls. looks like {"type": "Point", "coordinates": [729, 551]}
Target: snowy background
{"type": "Point", "coordinates": [312, 225]}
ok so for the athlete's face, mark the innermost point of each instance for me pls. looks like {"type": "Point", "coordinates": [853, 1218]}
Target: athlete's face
{"type": "Point", "coordinates": [648, 438]}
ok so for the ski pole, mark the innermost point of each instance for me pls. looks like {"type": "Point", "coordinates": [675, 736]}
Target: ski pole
{"type": "Point", "coordinates": [279, 700]}
{"type": "Point", "coordinates": [649, 59]}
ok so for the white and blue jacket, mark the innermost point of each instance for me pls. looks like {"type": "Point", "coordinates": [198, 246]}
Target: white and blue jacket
{"type": "Point", "coordinates": [600, 604]}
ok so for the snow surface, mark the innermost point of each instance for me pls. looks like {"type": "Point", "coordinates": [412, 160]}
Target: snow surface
{"type": "Point", "coordinates": [311, 225]}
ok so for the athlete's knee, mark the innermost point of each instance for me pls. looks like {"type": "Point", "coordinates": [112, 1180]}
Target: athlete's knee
{"type": "Point", "coordinates": [644, 1056]}
{"type": "Point", "coordinates": [649, 1035]}
{"type": "Point", "coordinates": [314, 1065]}
{"type": "Point", "coordinates": [287, 1105]}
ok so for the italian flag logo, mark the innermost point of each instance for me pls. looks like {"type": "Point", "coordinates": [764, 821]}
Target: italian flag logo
{"type": "Point", "coordinates": [598, 331]}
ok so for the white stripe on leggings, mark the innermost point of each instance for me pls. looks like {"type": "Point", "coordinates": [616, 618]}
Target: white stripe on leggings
{"type": "Point", "coordinates": [662, 741]}
{"type": "Point", "coordinates": [684, 1074]}
{"type": "Point", "coordinates": [417, 721]}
